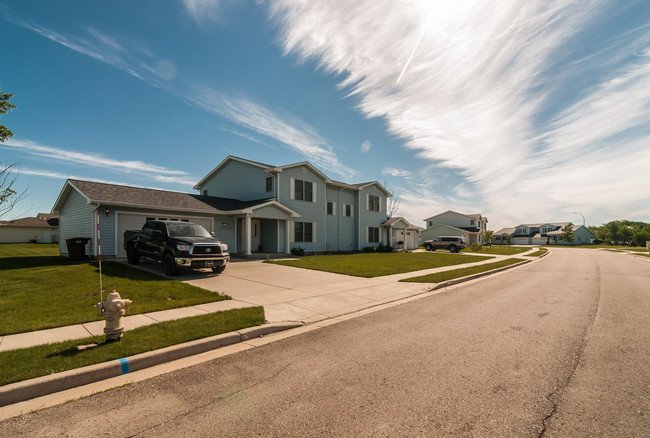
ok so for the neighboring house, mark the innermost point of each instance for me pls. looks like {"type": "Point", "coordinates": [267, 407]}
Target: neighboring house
{"type": "Point", "coordinates": [450, 223]}
{"type": "Point", "coordinates": [401, 230]}
{"type": "Point", "coordinates": [549, 233]}
{"type": "Point", "coordinates": [43, 228]}
{"type": "Point", "coordinates": [251, 206]}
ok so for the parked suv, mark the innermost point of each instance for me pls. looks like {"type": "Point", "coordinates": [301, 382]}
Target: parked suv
{"type": "Point", "coordinates": [452, 243]}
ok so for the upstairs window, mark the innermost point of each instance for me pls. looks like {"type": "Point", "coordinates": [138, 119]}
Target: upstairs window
{"type": "Point", "coordinates": [348, 210]}
{"type": "Point", "coordinates": [373, 203]}
{"type": "Point", "coordinates": [303, 190]}
{"type": "Point", "coordinates": [269, 184]}
{"type": "Point", "coordinates": [331, 208]}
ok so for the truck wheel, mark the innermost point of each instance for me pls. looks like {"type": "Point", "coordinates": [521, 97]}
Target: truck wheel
{"type": "Point", "coordinates": [169, 265]}
{"type": "Point", "coordinates": [219, 269]}
{"type": "Point", "coordinates": [453, 248]}
{"type": "Point", "coordinates": [428, 247]}
{"type": "Point", "coordinates": [132, 255]}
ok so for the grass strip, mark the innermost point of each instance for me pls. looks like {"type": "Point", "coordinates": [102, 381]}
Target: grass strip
{"type": "Point", "coordinates": [498, 250]}
{"type": "Point", "coordinates": [540, 252]}
{"type": "Point", "coordinates": [462, 272]}
{"type": "Point", "coordinates": [27, 363]}
{"type": "Point", "coordinates": [378, 264]}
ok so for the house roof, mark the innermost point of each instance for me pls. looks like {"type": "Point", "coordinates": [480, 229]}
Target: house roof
{"type": "Point", "coordinates": [449, 226]}
{"type": "Point", "coordinates": [276, 169]}
{"type": "Point", "coordinates": [40, 221]}
{"type": "Point", "coordinates": [503, 231]}
{"type": "Point", "coordinates": [393, 220]}
{"type": "Point", "coordinates": [138, 197]}
{"type": "Point", "coordinates": [475, 216]}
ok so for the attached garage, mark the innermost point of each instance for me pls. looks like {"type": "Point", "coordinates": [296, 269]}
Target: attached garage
{"type": "Point", "coordinates": [401, 230]}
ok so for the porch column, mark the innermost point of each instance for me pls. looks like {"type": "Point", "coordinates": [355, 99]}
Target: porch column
{"type": "Point", "coordinates": [248, 234]}
{"type": "Point", "coordinates": [389, 235]}
{"type": "Point", "coordinates": [287, 236]}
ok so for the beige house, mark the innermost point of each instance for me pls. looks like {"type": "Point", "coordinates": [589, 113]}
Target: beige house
{"type": "Point", "coordinates": [450, 223]}
{"type": "Point", "coordinates": [43, 228]}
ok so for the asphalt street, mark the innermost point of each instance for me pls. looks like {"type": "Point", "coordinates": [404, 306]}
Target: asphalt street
{"type": "Point", "coordinates": [560, 347]}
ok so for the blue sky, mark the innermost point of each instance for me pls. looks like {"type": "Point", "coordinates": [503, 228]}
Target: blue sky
{"type": "Point", "coordinates": [524, 111]}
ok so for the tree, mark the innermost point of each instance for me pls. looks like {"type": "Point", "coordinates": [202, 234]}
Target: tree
{"type": "Point", "coordinates": [392, 203]}
{"type": "Point", "coordinates": [508, 239]}
{"type": "Point", "coordinates": [488, 236]}
{"type": "Point", "coordinates": [5, 106]}
{"type": "Point", "coordinates": [8, 196]}
{"type": "Point", "coordinates": [567, 233]}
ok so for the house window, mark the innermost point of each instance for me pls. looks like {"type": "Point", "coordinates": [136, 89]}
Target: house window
{"type": "Point", "coordinates": [205, 193]}
{"type": "Point", "coordinates": [331, 208]}
{"type": "Point", "coordinates": [348, 210]}
{"type": "Point", "coordinates": [471, 222]}
{"type": "Point", "coordinates": [430, 223]}
{"type": "Point", "coordinates": [373, 234]}
{"type": "Point", "coordinates": [373, 203]}
{"type": "Point", "coordinates": [269, 184]}
{"type": "Point", "coordinates": [304, 232]}
{"type": "Point", "coordinates": [303, 190]}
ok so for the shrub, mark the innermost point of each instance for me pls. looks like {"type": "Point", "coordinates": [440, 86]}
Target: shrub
{"type": "Point", "coordinates": [368, 249]}
{"type": "Point", "coordinates": [476, 247]}
{"type": "Point", "coordinates": [297, 251]}
{"type": "Point", "coordinates": [384, 248]}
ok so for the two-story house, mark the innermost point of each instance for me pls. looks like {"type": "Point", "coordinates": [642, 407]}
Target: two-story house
{"type": "Point", "coordinates": [251, 206]}
{"type": "Point", "coordinates": [470, 227]}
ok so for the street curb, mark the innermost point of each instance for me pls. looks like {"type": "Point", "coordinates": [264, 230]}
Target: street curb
{"type": "Point", "coordinates": [40, 386]}
{"type": "Point", "coordinates": [472, 277]}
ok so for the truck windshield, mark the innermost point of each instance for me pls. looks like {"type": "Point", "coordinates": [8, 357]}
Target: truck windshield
{"type": "Point", "coordinates": [187, 230]}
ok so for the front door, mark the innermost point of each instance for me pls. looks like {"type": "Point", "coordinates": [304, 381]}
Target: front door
{"type": "Point", "coordinates": [255, 235]}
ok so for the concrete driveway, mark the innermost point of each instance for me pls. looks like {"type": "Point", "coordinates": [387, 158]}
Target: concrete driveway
{"type": "Point", "coordinates": [295, 294]}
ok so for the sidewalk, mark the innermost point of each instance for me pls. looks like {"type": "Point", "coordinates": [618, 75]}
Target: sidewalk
{"type": "Point", "coordinates": [287, 294]}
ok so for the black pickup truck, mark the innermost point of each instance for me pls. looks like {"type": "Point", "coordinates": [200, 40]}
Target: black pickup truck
{"type": "Point", "coordinates": [177, 245]}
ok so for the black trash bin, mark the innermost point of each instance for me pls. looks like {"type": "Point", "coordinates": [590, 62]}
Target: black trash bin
{"type": "Point", "coordinates": [77, 248]}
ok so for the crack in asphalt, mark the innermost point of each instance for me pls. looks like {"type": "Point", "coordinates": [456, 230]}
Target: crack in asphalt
{"type": "Point", "coordinates": [554, 396]}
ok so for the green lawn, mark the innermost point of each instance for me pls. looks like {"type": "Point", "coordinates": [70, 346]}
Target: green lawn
{"type": "Point", "coordinates": [39, 289]}
{"type": "Point", "coordinates": [499, 250]}
{"type": "Point", "coordinates": [462, 272]}
{"type": "Point", "coordinates": [538, 253]}
{"type": "Point", "coordinates": [27, 363]}
{"type": "Point", "coordinates": [379, 264]}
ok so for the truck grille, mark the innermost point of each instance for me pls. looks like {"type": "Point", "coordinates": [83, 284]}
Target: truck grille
{"type": "Point", "coordinates": [206, 249]}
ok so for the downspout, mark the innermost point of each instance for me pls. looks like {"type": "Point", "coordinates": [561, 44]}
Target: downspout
{"type": "Point", "coordinates": [338, 223]}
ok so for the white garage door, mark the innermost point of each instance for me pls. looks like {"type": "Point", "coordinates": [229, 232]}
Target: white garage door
{"type": "Point", "coordinates": [130, 221]}
{"type": "Point", "coordinates": [411, 240]}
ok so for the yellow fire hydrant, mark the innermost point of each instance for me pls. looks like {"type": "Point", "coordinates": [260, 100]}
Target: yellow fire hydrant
{"type": "Point", "coordinates": [113, 310]}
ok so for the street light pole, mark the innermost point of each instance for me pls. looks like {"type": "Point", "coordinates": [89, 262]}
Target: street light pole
{"type": "Point", "coordinates": [583, 224]}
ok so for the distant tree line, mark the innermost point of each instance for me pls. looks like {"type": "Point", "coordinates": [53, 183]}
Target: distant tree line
{"type": "Point", "coordinates": [626, 233]}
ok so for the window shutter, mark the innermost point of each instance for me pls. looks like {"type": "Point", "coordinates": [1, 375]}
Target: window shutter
{"type": "Point", "coordinates": [367, 201]}
{"type": "Point", "coordinates": [380, 201]}
{"type": "Point", "coordinates": [367, 234]}
{"type": "Point", "coordinates": [313, 232]}
{"type": "Point", "coordinates": [334, 208]}
{"type": "Point", "coordinates": [292, 231]}
{"type": "Point", "coordinates": [313, 195]}
{"type": "Point", "coordinates": [292, 192]}
{"type": "Point", "coordinates": [352, 211]}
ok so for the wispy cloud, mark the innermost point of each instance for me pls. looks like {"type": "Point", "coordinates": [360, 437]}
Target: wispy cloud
{"type": "Point", "coordinates": [203, 11]}
{"type": "Point", "coordinates": [124, 54]}
{"type": "Point", "coordinates": [158, 173]}
{"type": "Point", "coordinates": [483, 89]}
{"type": "Point", "coordinates": [276, 124]}
{"type": "Point", "coordinates": [134, 58]}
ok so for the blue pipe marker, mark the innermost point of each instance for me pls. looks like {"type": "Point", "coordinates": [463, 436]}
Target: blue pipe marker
{"type": "Point", "coordinates": [125, 365]}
